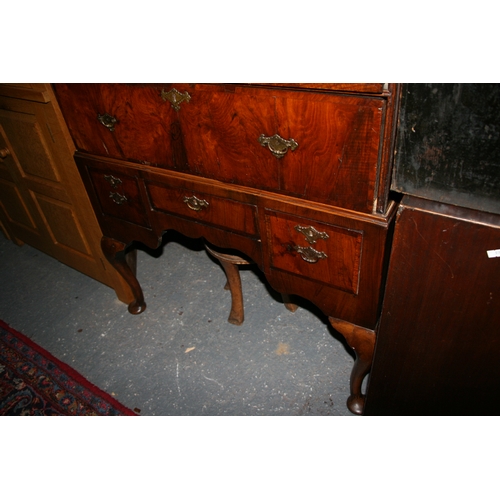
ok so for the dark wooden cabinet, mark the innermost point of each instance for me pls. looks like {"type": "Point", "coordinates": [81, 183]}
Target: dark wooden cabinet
{"type": "Point", "coordinates": [294, 176]}
{"type": "Point", "coordinates": [438, 343]}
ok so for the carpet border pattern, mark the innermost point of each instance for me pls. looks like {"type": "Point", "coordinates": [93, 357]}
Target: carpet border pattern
{"type": "Point", "coordinates": [34, 382]}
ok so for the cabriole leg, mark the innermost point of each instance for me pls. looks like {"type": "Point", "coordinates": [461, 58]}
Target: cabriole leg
{"type": "Point", "coordinates": [114, 251]}
{"type": "Point", "coordinates": [362, 341]}
{"type": "Point", "coordinates": [237, 314]}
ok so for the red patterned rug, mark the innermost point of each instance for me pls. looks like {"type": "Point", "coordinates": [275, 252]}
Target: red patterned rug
{"type": "Point", "coordinates": [33, 382]}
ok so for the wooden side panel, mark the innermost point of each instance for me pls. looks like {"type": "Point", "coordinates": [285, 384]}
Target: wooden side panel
{"type": "Point", "coordinates": [13, 210]}
{"type": "Point", "coordinates": [62, 225]}
{"type": "Point", "coordinates": [36, 161]}
{"type": "Point", "coordinates": [438, 343]}
{"type": "Point", "coordinates": [15, 207]}
{"type": "Point", "coordinates": [17, 198]}
{"type": "Point", "coordinates": [33, 164]}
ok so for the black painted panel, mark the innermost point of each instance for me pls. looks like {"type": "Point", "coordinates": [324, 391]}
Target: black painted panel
{"type": "Point", "coordinates": [448, 146]}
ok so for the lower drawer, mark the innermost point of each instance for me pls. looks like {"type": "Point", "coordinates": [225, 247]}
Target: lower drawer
{"type": "Point", "coordinates": [118, 194]}
{"type": "Point", "coordinates": [203, 207]}
{"type": "Point", "coordinates": [325, 253]}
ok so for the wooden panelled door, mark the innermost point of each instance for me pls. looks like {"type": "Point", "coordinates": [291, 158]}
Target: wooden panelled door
{"type": "Point", "coordinates": [42, 199]}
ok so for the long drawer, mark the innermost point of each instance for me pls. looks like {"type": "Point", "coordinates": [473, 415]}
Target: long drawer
{"type": "Point", "coordinates": [317, 145]}
{"type": "Point", "coordinates": [203, 207]}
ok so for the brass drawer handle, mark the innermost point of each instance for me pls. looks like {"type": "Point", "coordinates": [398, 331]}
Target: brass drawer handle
{"type": "Point", "coordinates": [174, 97]}
{"type": "Point", "coordinates": [118, 198]}
{"type": "Point", "coordinates": [311, 234]}
{"type": "Point", "coordinates": [310, 254]}
{"type": "Point", "coordinates": [4, 153]}
{"type": "Point", "coordinates": [195, 203]}
{"type": "Point", "coordinates": [114, 181]}
{"type": "Point", "coordinates": [108, 121]}
{"type": "Point", "coordinates": [277, 145]}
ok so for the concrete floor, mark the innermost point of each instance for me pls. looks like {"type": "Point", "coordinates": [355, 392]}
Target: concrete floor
{"type": "Point", "coordinates": [181, 356]}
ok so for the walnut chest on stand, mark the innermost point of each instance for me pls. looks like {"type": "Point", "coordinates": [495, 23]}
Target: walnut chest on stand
{"type": "Point", "coordinates": [296, 177]}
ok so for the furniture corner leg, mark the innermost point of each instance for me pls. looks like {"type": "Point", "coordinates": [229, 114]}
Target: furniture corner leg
{"type": "Point", "coordinates": [362, 341]}
{"type": "Point", "coordinates": [288, 303]}
{"type": "Point", "coordinates": [114, 251]}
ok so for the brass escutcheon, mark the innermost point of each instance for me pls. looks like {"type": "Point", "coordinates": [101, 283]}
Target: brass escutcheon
{"type": "Point", "coordinates": [114, 181]}
{"type": "Point", "coordinates": [174, 97]}
{"type": "Point", "coordinates": [310, 254]}
{"type": "Point", "coordinates": [118, 198]}
{"type": "Point", "coordinates": [195, 203]}
{"type": "Point", "coordinates": [277, 145]}
{"type": "Point", "coordinates": [311, 234]}
{"type": "Point", "coordinates": [108, 121]}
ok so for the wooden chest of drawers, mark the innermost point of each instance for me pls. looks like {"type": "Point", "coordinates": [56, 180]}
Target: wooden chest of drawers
{"type": "Point", "coordinates": [294, 176]}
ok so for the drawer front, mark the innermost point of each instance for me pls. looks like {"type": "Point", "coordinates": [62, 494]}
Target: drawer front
{"type": "Point", "coordinates": [128, 122]}
{"type": "Point", "coordinates": [322, 252]}
{"type": "Point", "coordinates": [320, 146]}
{"type": "Point", "coordinates": [317, 146]}
{"type": "Point", "coordinates": [203, 207]}
{"type": "Point", "coordinates": [199, 135]}
{"type": "Point", "coordinates": [118, 194]}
